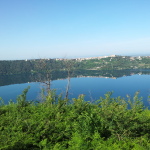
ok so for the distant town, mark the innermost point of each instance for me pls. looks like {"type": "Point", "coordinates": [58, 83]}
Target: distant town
{"type": "Point", "coordinates": [99, 57]}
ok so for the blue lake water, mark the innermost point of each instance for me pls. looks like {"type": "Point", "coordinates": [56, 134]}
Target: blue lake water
{"type": "Point", "coordinates": [92, 87]}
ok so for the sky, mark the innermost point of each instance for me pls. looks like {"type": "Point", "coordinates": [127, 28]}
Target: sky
{"type": "Point", "coordinates": [33, 29]}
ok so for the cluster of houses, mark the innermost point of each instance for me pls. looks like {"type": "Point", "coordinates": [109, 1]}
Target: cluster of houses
{"type": "Point", "coordinates": [100, 57]}
{"type": "Point", "coordinates": [88, 58]}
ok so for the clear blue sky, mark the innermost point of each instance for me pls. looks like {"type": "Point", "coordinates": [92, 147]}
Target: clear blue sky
{"type": "Point", "coordinates": [32, 29]}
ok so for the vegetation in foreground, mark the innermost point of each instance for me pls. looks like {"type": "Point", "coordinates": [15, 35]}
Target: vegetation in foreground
{"type": "Point", "coordinates": [57, 124]}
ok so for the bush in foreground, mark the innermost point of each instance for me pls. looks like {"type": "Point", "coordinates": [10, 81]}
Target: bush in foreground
{"type": "Point", "coordinates": [55, 123]}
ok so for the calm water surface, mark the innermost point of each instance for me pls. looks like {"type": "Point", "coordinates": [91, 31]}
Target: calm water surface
{"type": "Point", "coordinates": [92, 87]}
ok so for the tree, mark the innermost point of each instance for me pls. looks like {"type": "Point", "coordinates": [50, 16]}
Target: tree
{"type": "Point", "coordinates": [69, 66]}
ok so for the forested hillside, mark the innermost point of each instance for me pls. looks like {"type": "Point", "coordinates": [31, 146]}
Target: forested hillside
{"type": "Point", "coordinates": [116, 63]}
{"type": "Point", "coordinates": [26, 66]}
{"type": "Point", "coordinates": [43, 65]}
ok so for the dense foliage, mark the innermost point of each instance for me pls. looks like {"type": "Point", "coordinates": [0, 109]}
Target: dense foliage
{"type": "Point", "coordinates": [116, 63]}
{"type": "Point", "coordinates": [57, 123]}
{"type": "Point", "coordinates": [26, 66]}
{"type": "Point", "coordinates": [46, 65]}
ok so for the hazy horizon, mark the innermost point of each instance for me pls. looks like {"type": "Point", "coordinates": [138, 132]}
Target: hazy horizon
{"type": "Point", "coordinates": [132, 55]}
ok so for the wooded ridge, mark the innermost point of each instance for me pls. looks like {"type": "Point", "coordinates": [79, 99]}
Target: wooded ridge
{"type": "Point", "coordinates": [95, 63]}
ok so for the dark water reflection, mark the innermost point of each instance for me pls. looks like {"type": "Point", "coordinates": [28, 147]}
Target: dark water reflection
{"type": "Point", "coordinates": [40, 77]}
{"type": "Point", "coordinates": [92, 83]}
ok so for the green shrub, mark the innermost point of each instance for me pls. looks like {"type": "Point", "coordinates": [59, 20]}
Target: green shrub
{"type": "Point", "coordinates": [54, 123]}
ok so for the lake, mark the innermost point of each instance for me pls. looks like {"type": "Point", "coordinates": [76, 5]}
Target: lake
{"type": "Point", "coordinates": [93, 84]}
